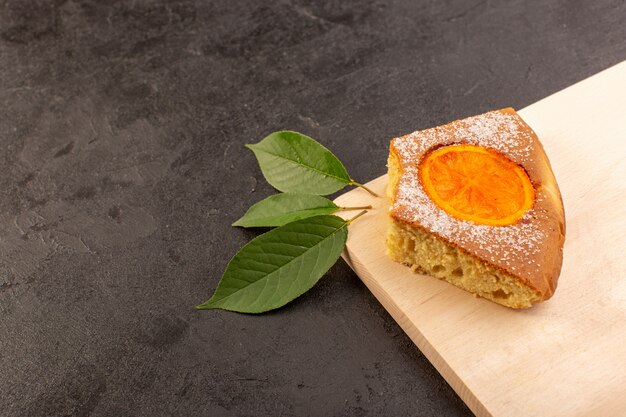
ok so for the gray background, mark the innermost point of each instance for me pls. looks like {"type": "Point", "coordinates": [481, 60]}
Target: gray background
{"type": "Point", "coordinates": [122, 166]}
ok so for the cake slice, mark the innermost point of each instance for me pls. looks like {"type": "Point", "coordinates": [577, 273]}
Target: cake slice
{"type": "Point", "coordinates": [475, 203]}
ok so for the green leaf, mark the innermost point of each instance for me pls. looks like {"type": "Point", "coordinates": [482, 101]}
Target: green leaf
{"type": "Point", "coordinates": [280, 265]}
{"type": "Point", "coordinates": [293, 162]}
{"type": "Point", "coordinates": [280, 209]}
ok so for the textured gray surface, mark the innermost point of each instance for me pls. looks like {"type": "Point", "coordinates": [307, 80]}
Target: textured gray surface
{"type": "Point", "coordinates": [122, 166]}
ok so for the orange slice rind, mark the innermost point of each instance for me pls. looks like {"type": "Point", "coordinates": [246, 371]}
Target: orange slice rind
{"type": "Point", "coordinates": [476, 184]}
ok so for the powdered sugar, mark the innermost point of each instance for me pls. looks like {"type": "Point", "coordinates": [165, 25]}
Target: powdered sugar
{"type": "Point", "coordinates": [494, 130]}
{"type": "Point", "coordinates": [510, 247]}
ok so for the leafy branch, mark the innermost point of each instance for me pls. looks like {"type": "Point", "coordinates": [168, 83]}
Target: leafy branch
{"type": "Point", "coordinates": [283, 263]}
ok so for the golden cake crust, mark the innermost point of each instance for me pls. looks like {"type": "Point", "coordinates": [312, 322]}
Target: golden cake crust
{"type": "Point", "coordinates": [531, 250]}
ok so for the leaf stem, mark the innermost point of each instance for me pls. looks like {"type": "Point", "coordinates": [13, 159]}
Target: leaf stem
{"type": "Point", "coordinates": [353, 182]}
{"type": "Point", "coordinates": [356, 208]}
{"type": "Point", "coordinates": [356, 217]}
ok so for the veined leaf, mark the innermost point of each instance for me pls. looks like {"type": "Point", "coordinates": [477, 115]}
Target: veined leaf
{"type": "Point", "coordinates": [280, 265]}
{"type": "Point", "coordinates": [280, 209]}
{"type": "Point", "coordinates": [293, 162]}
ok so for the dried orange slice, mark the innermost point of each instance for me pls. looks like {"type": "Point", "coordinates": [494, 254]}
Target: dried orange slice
{"type": "Point", "coordinates": [477, 184]}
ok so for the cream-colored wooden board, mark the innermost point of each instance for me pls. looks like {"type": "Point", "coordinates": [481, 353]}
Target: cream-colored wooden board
{"type": "Point", "coordinates": [566, 356]}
